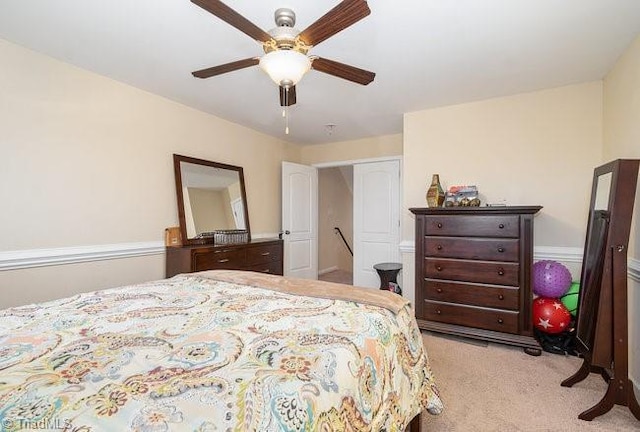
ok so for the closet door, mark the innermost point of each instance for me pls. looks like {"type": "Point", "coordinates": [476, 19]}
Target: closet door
{"type": "Point", "coordinates": [376, 219]}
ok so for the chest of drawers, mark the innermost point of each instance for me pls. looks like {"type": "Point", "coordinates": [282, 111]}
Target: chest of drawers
{"type": "Point", "coordinates": [473, 272]}
{"type": "Point", "coordinates": [261, 255]}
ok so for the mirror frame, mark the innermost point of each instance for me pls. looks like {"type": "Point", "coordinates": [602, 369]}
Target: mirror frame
{"type": "Point", "coordinates": [607, 236]}
{"type": "Point", "coordinates": [177, 159]}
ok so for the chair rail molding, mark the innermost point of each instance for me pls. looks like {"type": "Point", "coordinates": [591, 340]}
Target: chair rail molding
{"type": "Point", "coordinates": [634, 269]}
{"type": "Point", "coordinates": [23, 259]}
{"type": "Point", "coordinates": [30, 258]}
{"type": "Point", "coordinates": [555, 253]}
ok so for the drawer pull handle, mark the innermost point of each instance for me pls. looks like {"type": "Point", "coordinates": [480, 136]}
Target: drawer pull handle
{"type": "Point", "coordinates": [439, 225]}
{"type": "Point", "coordinates": [223, 260]}
{"type": "Point", "coordinates": [439, 247]}
{"type": "Point", "coordinates": [500, 321]}
{"type": "Point", "coordinates": [501, 272]}
{"type": "Point", "coordinates": [501, 297]}
{"type": "Point", "coordinates": [439, 268]}
{"type": "Point", "coordinates": [266, 271]}
{"type": "Point", "coordinates": [500, 249]}
{"type": "Point", "coordinates": [265, 253]}
{"type": "Point", "coordinates": [438, 311]}
{"type": "Point", "coordinates": [439, 290]}
{"type": "Point", "coordinates": [501, 226]}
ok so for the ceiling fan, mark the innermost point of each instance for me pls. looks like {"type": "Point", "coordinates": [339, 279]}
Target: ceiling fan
{"type": "Point", "coordinates": [285, 59]}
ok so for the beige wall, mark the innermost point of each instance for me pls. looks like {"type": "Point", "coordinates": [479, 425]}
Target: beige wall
{"type": "Point", "coordinates": [622, 140]}
{"type": "Point", "coordinates": [622, 120]}
{"type": "Point", "coordinates": [536, 148]}
{"type": "Point", "coordinates": [335, 209]}
{"type": "Point", "coordinates": [367, 148]}
{"type": "Point", "coordinates": [34, 285]}
{"type": "Point", "coordinates": [87, 161]}
{"type": "Point", "coordinates": [210, 209]}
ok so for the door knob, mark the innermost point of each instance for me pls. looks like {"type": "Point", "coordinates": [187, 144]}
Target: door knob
{"type": "Point", "coordinates": [287, 232]}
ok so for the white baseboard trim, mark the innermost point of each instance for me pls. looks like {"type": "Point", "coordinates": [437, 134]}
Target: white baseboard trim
{"type": "Point", "coordinates": [327, 270]}
{"type": "Point", "coordinates": [22, 259]}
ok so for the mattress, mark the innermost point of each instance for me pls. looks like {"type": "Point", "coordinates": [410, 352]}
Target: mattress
{"type": "Point", "coordinates": [215, 351]}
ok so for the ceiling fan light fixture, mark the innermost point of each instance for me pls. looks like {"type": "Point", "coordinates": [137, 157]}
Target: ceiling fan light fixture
{"type": "Point", "coordinates": [285, 67]}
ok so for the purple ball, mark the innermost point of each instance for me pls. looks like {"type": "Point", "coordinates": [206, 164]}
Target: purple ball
{"type": "Point", "coordinates": [551, 279]}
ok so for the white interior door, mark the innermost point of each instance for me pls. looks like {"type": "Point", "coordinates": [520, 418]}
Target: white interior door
{"type": "Point", "coordinates": [376, 219]}
{"type": "Point", "coordinates": [237, 208]}
{"type": "Point", "coordinates": [300, 220]}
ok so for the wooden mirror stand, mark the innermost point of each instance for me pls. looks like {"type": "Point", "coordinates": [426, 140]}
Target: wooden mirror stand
{"type": "Point", "coordinates": [602, 322]}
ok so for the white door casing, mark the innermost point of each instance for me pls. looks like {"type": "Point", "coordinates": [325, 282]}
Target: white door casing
{"type": "Point", "coordinates": [376, 219]}
{"type": "Point", "coordinates": [300, 220]}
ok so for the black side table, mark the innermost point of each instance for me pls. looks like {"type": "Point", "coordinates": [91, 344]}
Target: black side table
{"type": "Point", "coordinates": [388, 272]}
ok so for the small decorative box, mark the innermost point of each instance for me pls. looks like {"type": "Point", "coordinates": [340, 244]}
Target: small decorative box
{"type": "Point", "coordinates": [230, 236]}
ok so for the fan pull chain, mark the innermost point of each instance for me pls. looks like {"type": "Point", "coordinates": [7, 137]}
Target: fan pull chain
{"type": "Point", "coordinates": [286, 120]}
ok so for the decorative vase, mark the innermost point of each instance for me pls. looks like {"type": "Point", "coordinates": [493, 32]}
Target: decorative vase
{"type": "Point", "coordinates": [435, 193]}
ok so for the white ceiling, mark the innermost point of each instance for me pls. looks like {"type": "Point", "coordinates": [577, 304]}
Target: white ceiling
{"type": "Point", "coordinates": [426, 53]}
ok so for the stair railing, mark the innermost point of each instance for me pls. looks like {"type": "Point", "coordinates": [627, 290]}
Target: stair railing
{"type": "Point", "coordinates": [344, 240]}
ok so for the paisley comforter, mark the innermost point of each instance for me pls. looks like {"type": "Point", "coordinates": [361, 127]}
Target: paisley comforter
{"type": "Point", "coordinates": [193, 353]}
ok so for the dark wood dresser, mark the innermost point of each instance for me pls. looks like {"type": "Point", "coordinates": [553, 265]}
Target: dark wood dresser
{"type": "Point", "coordinates": [473, 273]}
{"type": "Point", "coordinates": [261, 255]}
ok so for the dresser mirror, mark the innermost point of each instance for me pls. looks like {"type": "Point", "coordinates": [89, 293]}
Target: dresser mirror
{"type": "Point", "coordinates": [211, 197]}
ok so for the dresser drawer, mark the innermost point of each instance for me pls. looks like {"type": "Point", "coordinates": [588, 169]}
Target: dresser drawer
{"type": "Point", "coordinates": [490, 272]}
{"type": "Point", "coordinates": [489, 249]}
{"type": "Point", "coordinates": [219, 259]}
{"type": "Point", "coordinates": [272, 267]}
{"type": "Point", "coordinates": [493, 296]}
{"type": "Point", "coordinates": [472, 226]}
{"type": "Point", "coordinates": [264, 254]}
{"type": "Point", "coordinates": [485, 318]}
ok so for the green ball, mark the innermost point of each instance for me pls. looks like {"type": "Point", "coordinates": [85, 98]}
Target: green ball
{"type": "Point", "coordinates": [570, 299]}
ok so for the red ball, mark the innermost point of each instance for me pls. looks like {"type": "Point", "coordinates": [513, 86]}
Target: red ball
{"type": "Point", "coordinates": [550, 315]}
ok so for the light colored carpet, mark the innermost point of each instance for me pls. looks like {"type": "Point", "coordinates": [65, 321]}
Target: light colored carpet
{"type": "Point", "coordinates": [500, 388]}
{"type": "Point", "coordinates": [338, 276]}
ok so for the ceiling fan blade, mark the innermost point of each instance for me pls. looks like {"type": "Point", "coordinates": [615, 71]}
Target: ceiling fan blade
{"type": "Point", "coordinates": [287, 96]}
{"type": "Point", "coordinates": [337, 19]}
{"type": "Point", "coordinates": [224, 68]}
{"type": "Point", "coordinates": [231, 17]}
{"type": "Point", "coordinates": [341, 70]}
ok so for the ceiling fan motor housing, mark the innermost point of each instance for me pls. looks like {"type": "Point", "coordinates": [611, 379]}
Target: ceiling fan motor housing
{"type": "Point", "coordinates": [285, 17]}
{"type": "Point", "coordinates": [285, 36]}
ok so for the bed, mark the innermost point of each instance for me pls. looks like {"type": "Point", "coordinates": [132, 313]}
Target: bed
{"type": "Point", "coordinates": [216, 351]}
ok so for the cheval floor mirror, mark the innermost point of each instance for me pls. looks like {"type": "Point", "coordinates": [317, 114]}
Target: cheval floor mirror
{"type": "Point", "coordinates": [602, 322]}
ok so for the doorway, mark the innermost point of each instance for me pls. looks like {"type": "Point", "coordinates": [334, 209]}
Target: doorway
{"type": "Point", "coordinates": [360, 210]}
{"type": "Point", "coordinates": [335, 224]}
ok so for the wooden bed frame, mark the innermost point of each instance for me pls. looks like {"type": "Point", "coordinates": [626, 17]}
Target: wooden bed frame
{"type": "Point", "coordinates": [416, 424]}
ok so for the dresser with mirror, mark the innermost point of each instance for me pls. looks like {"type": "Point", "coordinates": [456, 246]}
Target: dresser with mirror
{"type": "Point", "coordinates": [214, 222]}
